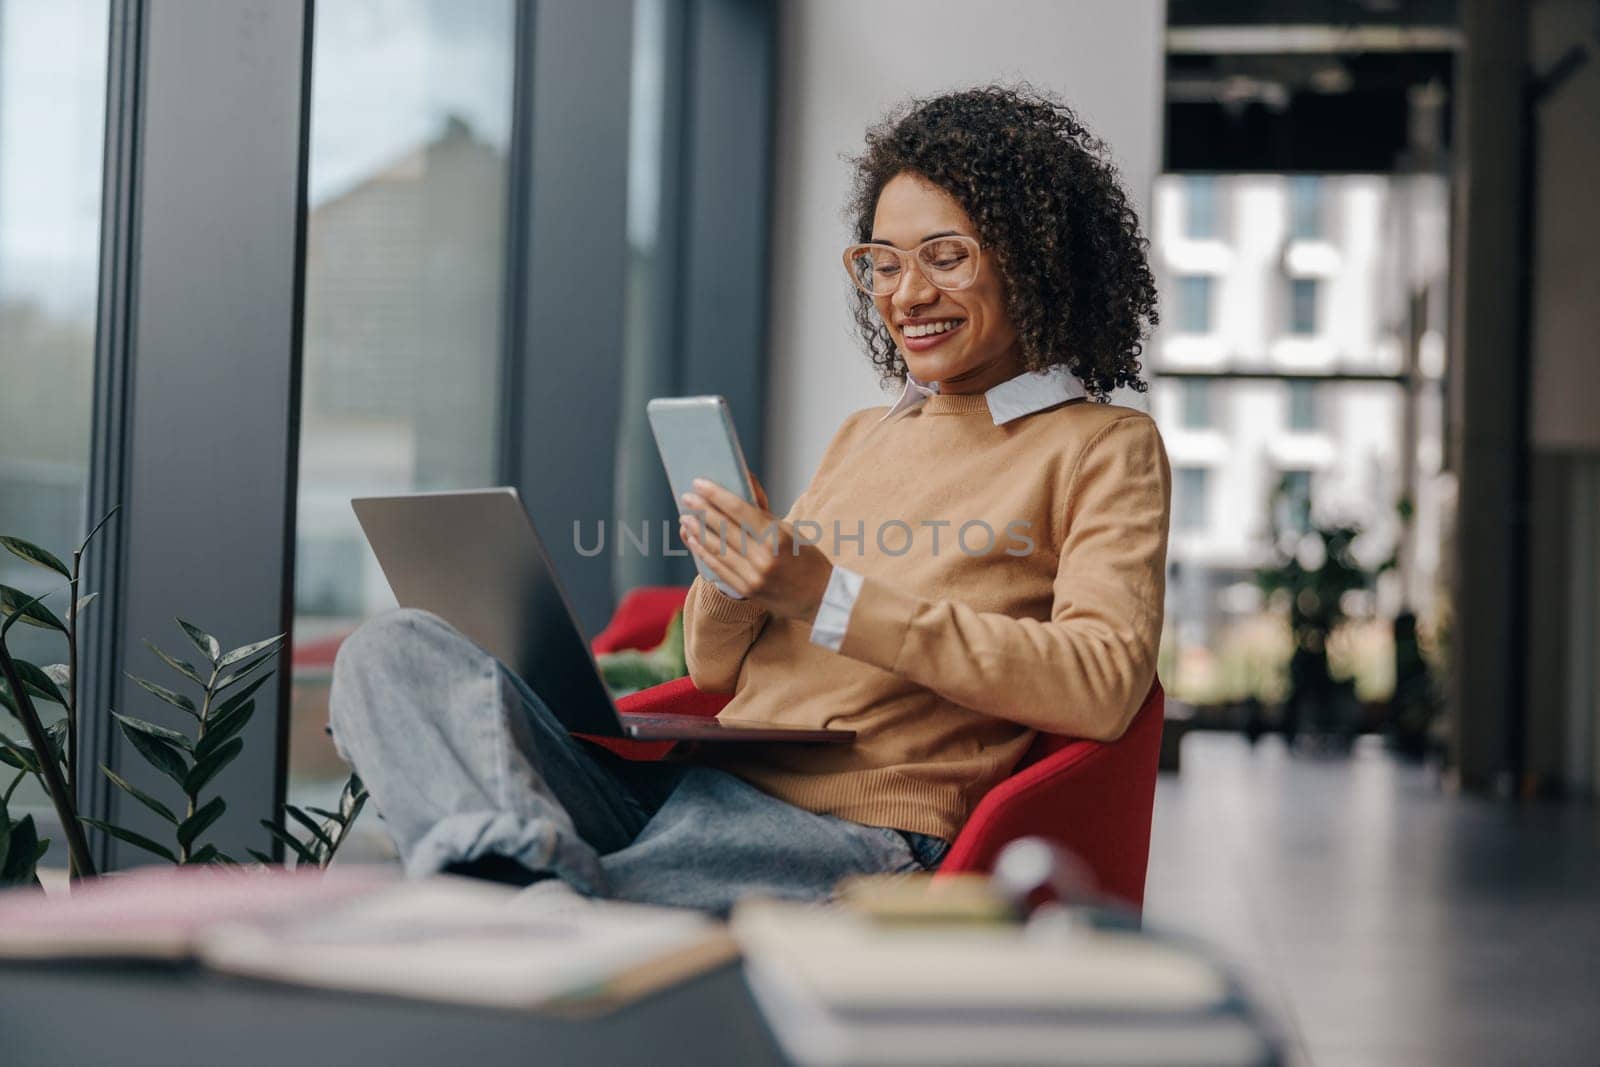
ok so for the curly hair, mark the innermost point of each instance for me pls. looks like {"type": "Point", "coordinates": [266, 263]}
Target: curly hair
{"type": "Point", "coordinates": [1049, 207]}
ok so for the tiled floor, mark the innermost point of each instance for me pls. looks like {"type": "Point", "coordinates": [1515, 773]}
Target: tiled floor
{"type": "Point", "coordinates": [1381, 920]}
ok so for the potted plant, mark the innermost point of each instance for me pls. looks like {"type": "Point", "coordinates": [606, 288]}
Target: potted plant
{"type": "Point", "coordinates": [223, 683]}
{"type": "Point", "coordinates": [1315, 568]}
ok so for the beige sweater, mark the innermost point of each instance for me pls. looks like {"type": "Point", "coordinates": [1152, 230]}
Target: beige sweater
{"type": "Point", "coordinates": [956, 652]}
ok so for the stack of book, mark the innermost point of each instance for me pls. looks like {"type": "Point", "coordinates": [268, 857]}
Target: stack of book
{"type": "Point", "coordinates": [842, 986]}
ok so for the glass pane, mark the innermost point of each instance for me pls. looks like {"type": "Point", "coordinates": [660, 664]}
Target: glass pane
{"type": "Point", "coordinates": [1305, 207]}
{"type": "Point", "coordinates": [1194, 304]}
{"type": "Point", "coordinates": [1200, 214]}
{"type": "Point", "coordinates": [1304, 411]}
{"type": "Point", "coordinates": [1197, 405]}
{"type": "Point", "coordinates": [1302, 305]}
{"type": "Point", "coordinates": [1294, 489]}
{"type": "Point", "coordinates": [410, 130]}
{"type": "Point", "coordinates": [1193, 504]}
{"type": "Point", "coordinates": [52, 128]}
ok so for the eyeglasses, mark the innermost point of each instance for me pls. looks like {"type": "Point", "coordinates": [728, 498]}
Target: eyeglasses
{"type": "Point", "coordinates": [949, 263]}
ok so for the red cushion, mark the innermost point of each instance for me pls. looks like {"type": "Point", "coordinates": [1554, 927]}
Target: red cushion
{"type": "Point", "coordinates": [641, 618]}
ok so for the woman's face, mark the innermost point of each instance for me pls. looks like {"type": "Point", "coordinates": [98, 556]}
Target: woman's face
{"type": "Point", "coordinates": [977, 350]}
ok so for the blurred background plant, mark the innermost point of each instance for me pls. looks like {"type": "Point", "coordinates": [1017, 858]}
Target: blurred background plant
{"type": "Point", "coordinates": [1315, 584]}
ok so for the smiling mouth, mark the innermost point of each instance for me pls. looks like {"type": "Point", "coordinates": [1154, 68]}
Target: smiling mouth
{"type": "Point", "coordinates": [921, 336]}
{"type": "Point", "coordinates": [931, 329]}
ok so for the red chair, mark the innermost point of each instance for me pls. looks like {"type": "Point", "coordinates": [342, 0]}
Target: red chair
{"type": "Point", "coordinates": [1091, 798]}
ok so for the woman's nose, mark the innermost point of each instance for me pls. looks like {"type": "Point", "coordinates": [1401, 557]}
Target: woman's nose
{"type": "Point", "coordinates": [914, 290]}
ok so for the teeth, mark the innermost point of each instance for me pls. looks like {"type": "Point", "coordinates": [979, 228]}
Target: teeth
{"type": "Point", "coordinates": [931, 328]}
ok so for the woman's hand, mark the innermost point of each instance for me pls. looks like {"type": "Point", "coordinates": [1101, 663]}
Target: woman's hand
{"type": "Point", "coordinates": [769, 565]}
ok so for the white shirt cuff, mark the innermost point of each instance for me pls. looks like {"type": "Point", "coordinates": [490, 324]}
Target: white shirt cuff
{"type": "Point", "coordinates": [833, 615]}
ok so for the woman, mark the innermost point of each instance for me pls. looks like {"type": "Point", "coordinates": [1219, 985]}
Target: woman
{"type": "Point", "coordinates": [979, 561]}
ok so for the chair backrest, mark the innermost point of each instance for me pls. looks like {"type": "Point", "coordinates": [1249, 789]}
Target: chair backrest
{"type": "Point", "coordinates": [1093, 799]}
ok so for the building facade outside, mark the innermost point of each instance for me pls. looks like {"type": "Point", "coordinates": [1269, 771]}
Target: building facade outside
{"type": "Point", "coordinates": [1274, 286]}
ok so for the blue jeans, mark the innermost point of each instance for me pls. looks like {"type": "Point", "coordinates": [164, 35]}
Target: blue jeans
{"type": "Point", "coordinates": [464, 761]}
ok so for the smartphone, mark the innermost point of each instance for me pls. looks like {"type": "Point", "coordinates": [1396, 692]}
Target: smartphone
{"type": "Point", "coordinates": [696, 439]}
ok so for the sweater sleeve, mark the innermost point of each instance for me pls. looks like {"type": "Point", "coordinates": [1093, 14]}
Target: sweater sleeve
{"type": "Point", "coordinates": [1084, 672]}
{"type": "Point", "coordinates": [719, 629]}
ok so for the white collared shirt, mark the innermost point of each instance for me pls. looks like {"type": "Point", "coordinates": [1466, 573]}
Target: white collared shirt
{"type": "Point", "coordinates": [1010, 400]}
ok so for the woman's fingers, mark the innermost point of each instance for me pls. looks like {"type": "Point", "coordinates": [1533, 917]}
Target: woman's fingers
{"type": "Point", "coordinates": [731, 504]}
{"type": "Point", "coordinates": [728, 543]}
{"type": "Point", "coordinates": [721, 566]}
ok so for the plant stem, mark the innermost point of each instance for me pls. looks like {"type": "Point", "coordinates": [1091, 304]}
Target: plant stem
{"type": "Point", "coordinates": [72, 693]}
{"type": "Point", "coordinates": [82, 864]}
{"type": "Point", "coordinates": [205, 715]}
{"type": "Point", "coordinates": [72, 673]}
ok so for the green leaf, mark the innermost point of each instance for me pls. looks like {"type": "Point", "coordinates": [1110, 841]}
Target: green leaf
{"type": "Point", "coordinates": [262, 857]}
{"type": "Point", "coordinates": [39, 683]}
{"type": "Point", "coordinates": [310, 824]}
{"type": "Point", "coordinates": [352, 798]}
{"type": "Point", "coordinates": [56, 734]}
{"type": "Point", "coordinates": [244, 672]}
{"type": "Point", "coordinates": [160, 733]}
{"type": "Point", "coordinates": [18, 755]}
{"type": "Point", "coordinates": [246, 651]}
{"type": "Point", "coordinates": [5, 698]}
{"type": "Point", "coordinates": [222, 729]}
{"type": "Point", "coordinates": [139, 794]}
{"type": "Point", "coordinates": [35, 555]}
{"type": "Point", "coordinates": [203, 641]}
{"type": "Point", "coordinates": [17, 606]}
{"type": "Point", "coordinates": [137, 840]}
{"type": "Point", "coordinates": [227, 707]}
{"type": "Point", "coordinates": [209, 854]}
{"type": "Point", "coordinates": [20, 866]}
{"type": "Point", "coordinates": [83, 602]}
{"type": "Point", "coordinates": [160, 755]}
{"type": "Point", "coordinates": [196, 824]}
{"type": "Point", "coordinates": [326, 814]}
{"type": "Point", "coordinates": [177, 700]}
{"type": "Point", "coordinates": [178, 665]}
{"type": "Point", "coordinates": [291, 842]}
{"type": "Point", "coordinates": [206, 769]}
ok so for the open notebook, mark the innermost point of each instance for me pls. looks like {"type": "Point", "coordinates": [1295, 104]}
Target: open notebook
{"type": "Point", "coordinates": [366, 930]}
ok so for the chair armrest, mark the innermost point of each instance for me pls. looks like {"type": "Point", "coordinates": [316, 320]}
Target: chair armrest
{"type": "Point", "coordinates": [677, 697]}
{"type": "Point", "coordinates": [1091, 798]}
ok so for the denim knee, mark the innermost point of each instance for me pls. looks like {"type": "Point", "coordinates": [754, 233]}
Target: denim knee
{"type": "Point", "coordinates": [381, 654]}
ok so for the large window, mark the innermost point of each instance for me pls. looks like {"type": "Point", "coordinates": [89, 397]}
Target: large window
{"type": "Point", "coordinates": [52, 114]}
{"type": "Point", "coordinates": [405, 239]}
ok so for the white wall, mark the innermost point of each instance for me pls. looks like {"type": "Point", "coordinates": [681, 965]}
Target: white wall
{"type": "Point", "coordinates": [843, 63]}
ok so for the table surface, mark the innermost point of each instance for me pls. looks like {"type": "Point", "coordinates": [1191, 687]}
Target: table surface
{"type": "Point", "coordinates": [129, 1016]}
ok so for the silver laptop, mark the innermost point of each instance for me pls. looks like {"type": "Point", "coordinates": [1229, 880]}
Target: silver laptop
{"type": "Point", "coordinates": [474, 559]}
